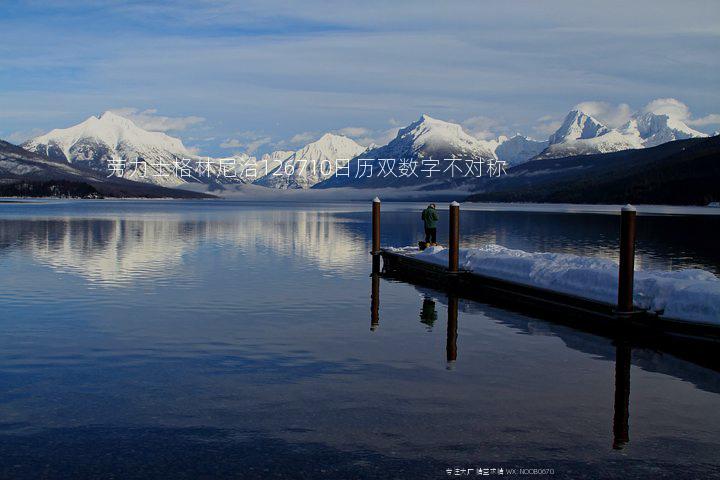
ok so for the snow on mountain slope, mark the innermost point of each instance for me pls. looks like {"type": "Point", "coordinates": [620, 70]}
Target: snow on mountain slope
{"type": "Point", "coordinates": [581, 134]}
{"type": "Point", "coordinates": [577, 125]}
{"type": "Point", "coordinates": [612, 141]}
{"type": "Point", "coordinates": [18, 165]}
{"type": "Point", "coordinates": [432, 138]}
{"type": "Point", "coordinates": [518, 149]}
{"type": "Point", "coordinates": [99, 141]}
{"type": "Point", "coordinates": [311, 164]}
{"type": "Point", "coordinates": [656, 129]}
{"type": "Point", "coordinates": [425, 139]}
{"type": "Point", "coordinates": [275, 158]}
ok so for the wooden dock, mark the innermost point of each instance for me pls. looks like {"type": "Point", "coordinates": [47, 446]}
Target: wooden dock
{"type": "Point", "coordinates": [703, 339]}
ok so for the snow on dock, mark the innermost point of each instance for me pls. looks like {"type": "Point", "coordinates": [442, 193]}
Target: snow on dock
{"type": "Point", "coordinates": [690, 294]}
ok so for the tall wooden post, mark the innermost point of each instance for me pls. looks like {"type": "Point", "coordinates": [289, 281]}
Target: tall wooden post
{"type": "Point", "coordinates": [627, 260]}
{"type": "Point", "coordinates": [454, 237]}
{"type": "Point", "coordinates": [375, 226]}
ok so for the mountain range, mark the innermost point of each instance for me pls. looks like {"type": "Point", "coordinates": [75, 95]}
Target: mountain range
{"type": "Point", "coordinates": [24, 173]}
{"type": "Point", "coordinates": [312, 164]}
{"type": "Point", "coordinates": [680, 172]}
{"type": "Point", "coordinates": [97, 143]}
{"type": "Point", "coordinates": [581, 134]}
{"type": "Point", "coordinates": [110, 139]}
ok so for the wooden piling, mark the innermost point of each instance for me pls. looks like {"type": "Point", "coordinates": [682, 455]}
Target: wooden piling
{"type": "Point", "coordinates": [454, 240]}
{"type": "Point", "coordinates": [626, 272]}
{"type": "Point", "coordinates": [375, 226]}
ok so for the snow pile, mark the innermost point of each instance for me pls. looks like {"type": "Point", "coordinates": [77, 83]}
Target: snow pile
{"type": "Point", "coordinates": [690, 294]}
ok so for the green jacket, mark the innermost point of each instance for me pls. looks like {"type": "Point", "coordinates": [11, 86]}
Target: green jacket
{"type": "Point", "coordinates": [430, 217]}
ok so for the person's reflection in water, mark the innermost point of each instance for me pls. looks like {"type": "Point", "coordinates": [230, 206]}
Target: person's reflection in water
{"type": "Point", "coordinates": [621, 428]}
{"type": "Point", "coordinates": [428, 314]}
{"type": "Point", "coordinates": [452, 327]}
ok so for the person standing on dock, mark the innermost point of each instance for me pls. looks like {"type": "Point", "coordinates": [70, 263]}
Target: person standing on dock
{"type": "Point", "coordinates": [430, 219]}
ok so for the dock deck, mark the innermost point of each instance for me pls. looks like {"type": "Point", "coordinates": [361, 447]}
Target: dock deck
{"type": "Point", "coordinates": [561, 307]}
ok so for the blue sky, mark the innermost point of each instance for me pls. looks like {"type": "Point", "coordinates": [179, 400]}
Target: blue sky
{"type": "Point", "coordinates": [259, 75]}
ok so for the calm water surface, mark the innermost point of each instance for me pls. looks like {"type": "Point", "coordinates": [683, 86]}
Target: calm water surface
{"type": "Point", "coordinates": [219, 339]}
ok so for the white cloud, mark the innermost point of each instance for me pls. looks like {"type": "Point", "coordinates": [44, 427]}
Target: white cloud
{"type": "Point", "coordinates": [21, 136]}
{"type": "Point", "coordinates": [712, 119]}
{"type": "Point", "coordinates": [611, 115]}
{"type": "Point", "coordinates": [354, 131]}
{"type": "Point", "coordinates": [676, 109]}
{"type": "Point", "coordinates": [149, 119]}
{"type": "Point", "coordinates": [250, 140]}
{"type": "Point", "coordinates": [231, 143]}
{"type": "Point", "coordinates": [377, 137]}
{"type": "Point", "coordinates": [304, 137]}
{"type": "Point", "coordinates": [483, 128]}
{"type": "Point", "coordinates": [671, 107]}
{"type": "Point", "coordinates": [252, 146]}
{"type": "Point", "coordinates": [547, 125]}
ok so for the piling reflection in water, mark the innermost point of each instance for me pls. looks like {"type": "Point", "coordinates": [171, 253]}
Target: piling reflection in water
{"type": "Point", "coordinates": [452, 327]}
{"type": "Point", "coordinates": [429, 315]}
{"type": "Point", "coordinates": [375, 301]}
{"type": "Point", "coordinates": [621, 429]}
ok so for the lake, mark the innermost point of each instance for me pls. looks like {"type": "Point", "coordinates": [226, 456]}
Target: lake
{"type": "Point", "coordinates": [205, 339]}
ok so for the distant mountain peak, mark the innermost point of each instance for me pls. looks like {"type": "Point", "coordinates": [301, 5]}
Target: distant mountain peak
{"type": "Point", "coordinates": [581, 134]}
{"type": "Point", "coordinates": [97, 141]}
{"type": "Point", "coordinates": [311, 164]}
{"type": "Point", "coordinates": [578, 125]}
{"type": "Point", "coordinates": [424, 139]}
{"type": "Point", "coordinates": [655, 129]}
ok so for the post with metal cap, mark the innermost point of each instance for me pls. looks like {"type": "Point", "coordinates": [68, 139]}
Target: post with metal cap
{"type": "Point", "coordinates": [454, 238]}
{"type": "Point", "coordinates": [627, 260]}
{"type": "Point", "coordinates": [375, 226]}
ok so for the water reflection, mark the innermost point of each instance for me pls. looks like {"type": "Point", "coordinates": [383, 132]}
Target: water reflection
{"type": "Point", "coordinates": [452, 331]}
{"type": "Point", "coordinates": [255, 320]}
{"type": "Point", "coordinates": [375, 301]}
{"type": "Point", "coordinates": [119, 251]}
{"type": "Point", "coordinates": [621, 428]}
{"type": "Point", "coordinates": [428, 314]}
{"type": "Point", "coordinates": [622, 356]}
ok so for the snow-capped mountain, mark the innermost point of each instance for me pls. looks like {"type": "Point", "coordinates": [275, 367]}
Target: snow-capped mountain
{"type": "Point", "coordinates": [576, 126]}
{"type": "Point", "coordinates": [36, 173]}
{"type": "Point", "coordinates": [581, 134]}
{"type": "Point", "coordinates": [98, 142]}
{"type": "Point", "coordinates": [432, 138]}
{"type": "Point", "coordinates": [518, 149]}
{"type": "Point", "coordinates": [311, 164]}
{"type": "Point", "coordinates": [273, 159]}
{"type": "Point", "coordinates": [425, 139]}
{"type": "Point", "coordinates": [655, 129]}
